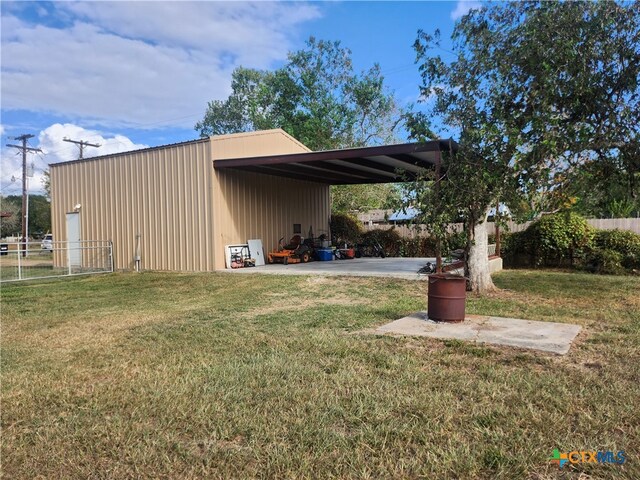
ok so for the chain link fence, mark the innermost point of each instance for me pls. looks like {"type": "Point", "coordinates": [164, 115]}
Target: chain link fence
{"type": "Point", "coordinates": [33, 260]}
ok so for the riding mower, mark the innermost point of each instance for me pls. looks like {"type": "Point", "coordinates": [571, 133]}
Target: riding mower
{"type": "Point", "coordinates": [294, 252]}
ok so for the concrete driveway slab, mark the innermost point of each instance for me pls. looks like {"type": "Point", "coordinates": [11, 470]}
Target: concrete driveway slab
{"type": "Point", "coordinates": [544, 336]}
{"type": "Point", "coordinates": [394, 267]}
{"type": "Point", "coordinates": [406, 268]}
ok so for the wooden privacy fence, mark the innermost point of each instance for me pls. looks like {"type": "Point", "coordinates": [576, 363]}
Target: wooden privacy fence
{"type": "Point", "coordinates": [413, 231]}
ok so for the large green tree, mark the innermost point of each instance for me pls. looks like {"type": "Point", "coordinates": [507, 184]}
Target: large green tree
{"type": "Point", "coordinates": [319, 99]}
{"type": "Point", "coordinates": [535, 88]}
{"type": "Point", "coordinates": [316, 96]}
{"type": "Point", "coordinates": [597, 188]}
{"type": "Point", "coordinates": [10, 219]}
{"type": "Point", "coordinates": [362, 198]}
{"type": "Point", "coordinates": [39, 214]}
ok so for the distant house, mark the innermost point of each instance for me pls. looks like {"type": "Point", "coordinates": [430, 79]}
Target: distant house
{"type": "Point", "coordinates": [179, 205]}
{"type": "Point", "coordinates": [385, 217]}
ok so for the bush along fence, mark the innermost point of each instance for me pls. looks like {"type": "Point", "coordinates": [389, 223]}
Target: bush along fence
{"type": "Point", "coordinates": [413, 231]}
{"type": "Point", "coordinates": [563, 240]}
{"type": "Point", "coordinates": [348, 229]}
{"type": "Point", "coordinates": [568, 240]}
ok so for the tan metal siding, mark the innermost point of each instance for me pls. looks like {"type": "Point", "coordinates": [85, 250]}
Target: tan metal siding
{"type": "Point", "coordinates": [163, 194]}
{"type": "Point", "coordinates": [255, 144]}
{"type": "Point", "coordinates": [183, 209]}
{"type": "Point", "coordinates": [252, 205]}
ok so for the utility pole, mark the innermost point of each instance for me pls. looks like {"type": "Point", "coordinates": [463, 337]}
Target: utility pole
{"type": "Point", "coordinates": [24, 149]}
{"type": "Point", "coordinates": [81, 144]}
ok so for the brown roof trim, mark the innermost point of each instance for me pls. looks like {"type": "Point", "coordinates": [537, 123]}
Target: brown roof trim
{"type": "Point", "coordinates": [347, 153]}
{"type": "Point", "coordinates": [379, 164]}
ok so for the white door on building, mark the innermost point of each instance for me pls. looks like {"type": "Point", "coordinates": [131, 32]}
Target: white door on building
{"type": "Point", "coordinates": [73, 239]}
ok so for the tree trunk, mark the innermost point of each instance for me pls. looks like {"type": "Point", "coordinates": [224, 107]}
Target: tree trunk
{"type": "Point", "coordinates": [496, 222]}
{"type": "Point", "coordinates": [477, 259]}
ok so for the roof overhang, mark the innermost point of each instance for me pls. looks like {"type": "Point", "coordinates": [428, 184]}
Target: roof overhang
{"type": "Point", "coordinates": [381, 164]}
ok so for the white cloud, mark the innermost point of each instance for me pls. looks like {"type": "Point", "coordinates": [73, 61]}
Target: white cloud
{"type": "Point", "coordinates": [463, 7]}
{"type": "Point", "coordinates": [140, 64]}
{"type": "Point", "coordinates": [254, 32]}
{"type": "Point", "coordinates": [54, 150]}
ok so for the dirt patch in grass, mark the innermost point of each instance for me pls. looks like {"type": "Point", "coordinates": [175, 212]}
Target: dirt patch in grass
{"type": "Point", "coordinates": [96, 334]}
{"type": "Point", "coordinates": [314, 292]}
{"type": "Point", "coordinates": [293, 303]}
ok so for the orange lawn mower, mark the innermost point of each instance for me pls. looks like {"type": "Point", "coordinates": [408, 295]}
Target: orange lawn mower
{"type": "Point", "coordinates": [294, 252]}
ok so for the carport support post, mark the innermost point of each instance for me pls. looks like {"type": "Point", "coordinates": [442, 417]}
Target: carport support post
{"type": "Point", "coordinates": [437, 189]}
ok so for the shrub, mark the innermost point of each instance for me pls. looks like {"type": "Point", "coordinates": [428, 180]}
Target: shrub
{"type": "Point", "coordinates": [389, 239]}
{"type": "Point", "coordinates": [417, 247]}
{"type": "Point", "coordinates": [631, 261]}
{"type": "Point", "coordinates": [623, 242]}
{"type": "Point", "coordinates": [455, 241]}
{"type": "Point", "coordinates": [554, 239]}
{"type": "Point", "coordinates": [510, 243]}
{"type": "Point", "coordinates": [558, 239]}
{"type": "Point", "coordinates": [345, 229]}
{"type": "Point", "coordinates": [514, 250]}
{"type": "Point", "coordinates": [605, 261]}
{"type": "Point", "coordinates": [427, 247]}
{"type": "Point", "coordinates": [409, 247]}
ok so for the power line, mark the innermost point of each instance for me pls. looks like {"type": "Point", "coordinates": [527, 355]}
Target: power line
{"type": "Point", "coordinates": [10, 189]}
{"type": "Point", "coordinates": [12, 174]}
{"type": "Point", "coordinates": [81, 144]}
{"type": "Point", "coordinates": [25, 204]}
{"type": "Point", "coordinates": [42, 161]}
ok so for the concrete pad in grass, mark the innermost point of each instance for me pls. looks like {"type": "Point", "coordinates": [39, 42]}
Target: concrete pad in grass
{"type": "Point", "coordinates": [545, 336]}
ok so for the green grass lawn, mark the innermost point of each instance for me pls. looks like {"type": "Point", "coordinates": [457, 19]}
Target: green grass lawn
{"type": "Point", "coordinates": [241, 376]}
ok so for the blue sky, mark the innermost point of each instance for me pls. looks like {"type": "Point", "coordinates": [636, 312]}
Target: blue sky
{"type": "Point", "coordinates": [134, 74]}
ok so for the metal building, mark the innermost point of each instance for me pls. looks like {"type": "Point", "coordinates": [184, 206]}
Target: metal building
{"type": "Point", "coordinates": [178, 205]}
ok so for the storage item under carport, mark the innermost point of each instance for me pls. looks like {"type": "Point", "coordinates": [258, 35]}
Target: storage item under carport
{"type": "Point", "coordinates": [294, 252]}
{"type": "Point", "coordinates": [324, 254]}
{"type": "Point", "coordinates": [446, 297]}
{"type": "Point", "coordinates": [345, 253]}
{"type": "Point", "coordinates": [257, 252]}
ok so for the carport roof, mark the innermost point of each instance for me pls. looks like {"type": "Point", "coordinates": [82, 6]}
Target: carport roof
{"type": "Point", "coordinates": [380, 164]}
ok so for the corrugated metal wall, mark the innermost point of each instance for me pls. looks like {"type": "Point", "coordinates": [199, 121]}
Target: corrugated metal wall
{"type": "Point", "coordinates": [184, 210]}
{"type": "Point", "coordinates": [250, 205]}
{"type": "Point", "coordinates": [266, 207]}
{"type": "Point", "coordinates": [163, 194]}
{"type": "Point", "coordinates": [255, 144]}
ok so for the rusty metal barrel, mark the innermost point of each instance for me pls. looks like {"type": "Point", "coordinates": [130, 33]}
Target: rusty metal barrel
{"type": "Point", "coordinates": [447, 295]}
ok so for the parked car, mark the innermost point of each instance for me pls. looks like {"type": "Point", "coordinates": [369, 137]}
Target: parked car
{"type": "Point", "coordinates": [47, 242]}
